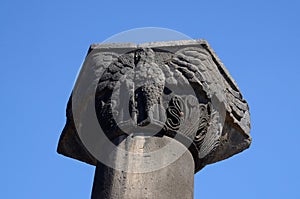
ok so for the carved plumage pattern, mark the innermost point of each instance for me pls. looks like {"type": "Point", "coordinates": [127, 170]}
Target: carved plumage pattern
{"type": "Point", "coordinates": [192, 65]}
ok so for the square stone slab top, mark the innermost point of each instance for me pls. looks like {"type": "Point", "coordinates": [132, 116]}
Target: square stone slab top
{"type": "Point", "coordinates": [214, 128]}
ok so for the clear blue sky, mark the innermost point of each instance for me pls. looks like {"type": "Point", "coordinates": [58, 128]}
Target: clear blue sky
{"type": "Point", "coordinates": [43, 44]}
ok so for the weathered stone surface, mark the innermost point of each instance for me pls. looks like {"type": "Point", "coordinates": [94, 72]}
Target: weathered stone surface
{"type": "Point", "coordinates": [176, 180]}
{"type": "Point", "coordinates": [213, 124]}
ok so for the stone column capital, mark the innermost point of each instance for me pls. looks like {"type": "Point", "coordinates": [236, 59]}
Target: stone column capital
{"type": "Point", "coordinates": [178, 89]}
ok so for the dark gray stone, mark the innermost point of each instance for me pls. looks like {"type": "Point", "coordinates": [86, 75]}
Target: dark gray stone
{"type": "Point", "coordinates": [176, 90]}
{"type": "Point", "coordinates": [176, 179]}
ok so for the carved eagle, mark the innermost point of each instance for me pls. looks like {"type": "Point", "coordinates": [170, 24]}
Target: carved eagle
{"type": "Point", "coordinates": [180, 89]}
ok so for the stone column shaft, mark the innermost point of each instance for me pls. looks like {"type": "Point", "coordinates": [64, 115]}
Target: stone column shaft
{"type": "Point", "coordinates": [175, 180]}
